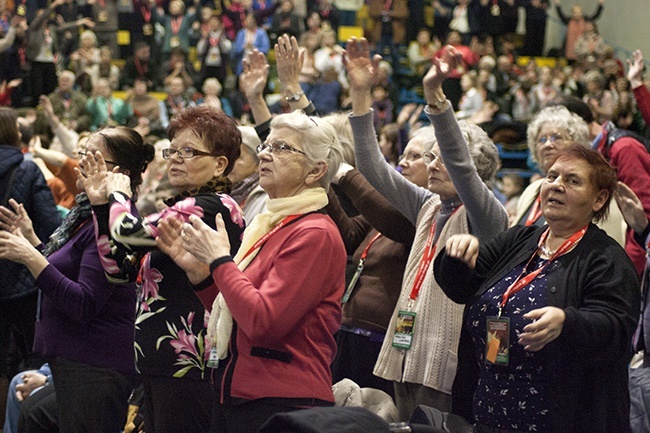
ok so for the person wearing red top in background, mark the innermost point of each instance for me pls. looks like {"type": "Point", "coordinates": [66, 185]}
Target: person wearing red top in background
{"type": "Point", "coordinates": [451, 86]}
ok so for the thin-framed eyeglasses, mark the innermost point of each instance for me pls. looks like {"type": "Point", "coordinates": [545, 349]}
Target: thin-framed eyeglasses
{"type": "Point", "coordinates": [278, 147]}
{"type": "Point", "coordinates": [82, 154]}
{"type": "Point", "coordinates": [550, 137]}
{"type": "Point", "coordinates": [184, 153]}
{"type": "Point", "coordinates": [429, 157]}
{"type": "Point", "coordinates": [410, 157]}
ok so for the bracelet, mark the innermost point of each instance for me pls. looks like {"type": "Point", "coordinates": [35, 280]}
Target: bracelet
{"type": "Point", "coordinates": [439, 105]}
{"type": "Point", "coordinates": [295, 97]}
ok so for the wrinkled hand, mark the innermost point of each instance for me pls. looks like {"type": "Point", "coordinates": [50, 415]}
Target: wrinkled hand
{"type": "Point", "coordinates": [362, 70]}
{"type": "Point", "coordinates": [206, 244]}
{"type": "Point", "coordinates": [31, 381]}
{"type": "Point", "coordinates": [12, 220]}
{"type": "Point", "coordinates": [635, 69]}
{"type": "Point", "coordinates": [46, 104]}
{"type": "Point", "coordinates": [289, 58]}
{"type": "Point", "coordinates": [547, 326]}
{"type": "Point", "coordinates": [14, 247]}
{"type": "Point", "coordinates": [631, 208]}
{"type": "Point", "coordinates": [255, 73]}
{"type": "Point", "coordinates": [169, 241]}
{"type": "Point", "coordinates": [441, 68]}
{"type": "Point", "coordinates": [464, 248]}
{"type": "Point", "coordinates": [15, 83]}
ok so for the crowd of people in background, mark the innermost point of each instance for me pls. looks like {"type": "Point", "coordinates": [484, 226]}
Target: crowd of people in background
{"type": "Point", "coordinates": [152, 148]}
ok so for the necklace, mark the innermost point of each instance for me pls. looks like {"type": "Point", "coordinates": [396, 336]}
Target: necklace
{"type": "Point", "coordinates": [546, 252]}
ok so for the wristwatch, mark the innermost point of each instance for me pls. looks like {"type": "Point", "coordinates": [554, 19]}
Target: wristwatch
{"type": "Point", "coordinates": [294, 97]}
{"type": "Point", "coordinates": [439, 105]}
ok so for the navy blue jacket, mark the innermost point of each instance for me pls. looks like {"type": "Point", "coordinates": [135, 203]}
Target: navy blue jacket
{"type": "Point", "coordinates": [30, 189]}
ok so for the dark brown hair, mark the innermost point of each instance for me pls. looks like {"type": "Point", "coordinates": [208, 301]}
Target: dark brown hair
{"type": "Point", "coordinates": [218, 131]}
{"type": "Point", "coordinates": [9, 135]}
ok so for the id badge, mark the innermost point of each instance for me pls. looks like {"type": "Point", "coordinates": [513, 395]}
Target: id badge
{"type": "Point", "coordinates": [497, 340]}
{"type": "Point", "coordinates": [403, 337]}
{"type": "Point", "coordinates": [174, 41]}
{"type": "Point", "coordinates": [102, 17]}
{"type": "Point", "coordinates": [21, 10]}
{"type": "Point", "coordinates": [147, 29]}
{"type": "Point", "coordinates": [213, 360]}
{"type": "Point", "coordinates": [353, 283]}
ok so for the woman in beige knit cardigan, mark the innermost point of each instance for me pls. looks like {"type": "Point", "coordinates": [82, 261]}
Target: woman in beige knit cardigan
{"type": "Point", "coordinates": [419, 351]}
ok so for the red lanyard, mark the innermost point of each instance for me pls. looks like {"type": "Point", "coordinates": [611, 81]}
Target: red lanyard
{"type": "Point", "coordinates": [425, 261]}
{"type": "Point", "coordinates": [214, 41]}
{"type": "Point", "coordinates": [520, 282]}
{"type": "Point", "coordinates": [535, 212]}
{"type": "Point", "coordinates": [364, 254]}
{"type": "Point", "coordinates": [142, 69]}
{"type": "Point", "coordinates": [261, 241]}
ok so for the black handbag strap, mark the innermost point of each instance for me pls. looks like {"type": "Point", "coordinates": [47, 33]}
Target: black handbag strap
{"type": "Point", "coordinates": [10, 182]}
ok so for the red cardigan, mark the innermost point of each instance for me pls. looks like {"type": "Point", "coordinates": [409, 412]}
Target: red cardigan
{"type": "Point", "coordinates": [286, 306]}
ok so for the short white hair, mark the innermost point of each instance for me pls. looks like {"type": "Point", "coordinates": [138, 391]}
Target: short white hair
{"type": "Point", "coordinates": [320, 139]}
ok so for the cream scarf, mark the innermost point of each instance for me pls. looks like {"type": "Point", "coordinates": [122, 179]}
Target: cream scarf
{"type": "Point", "coordinates": [309, 200]}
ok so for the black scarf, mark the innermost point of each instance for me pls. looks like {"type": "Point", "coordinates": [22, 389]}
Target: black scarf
{"type": "Point", "coordinates": [75, 218]}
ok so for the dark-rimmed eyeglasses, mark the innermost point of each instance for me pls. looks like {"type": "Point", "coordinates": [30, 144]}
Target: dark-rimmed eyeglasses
{"type": "Point", "coordinates": [550, 137]}
{"type": "Point", "coordinates": [278, 147]}
{"type": "Point", "coordinates": [83, 154]}
{"type": "Point", "coordinates": [184, 153]}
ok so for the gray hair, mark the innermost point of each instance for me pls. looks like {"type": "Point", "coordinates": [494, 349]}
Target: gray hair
{"type": "Point", "coordinates": [341, 124]}
{"type": "Point", "coordinates": [250, 140]}
{"type": "Point", "coordinates": [561, 118]}
{"type": "Point", "coordinates": [320, 138]}
{"type": "Point", "coordinates": [594, 76]}
{"type": "Point", "coordinates": [482, 150]}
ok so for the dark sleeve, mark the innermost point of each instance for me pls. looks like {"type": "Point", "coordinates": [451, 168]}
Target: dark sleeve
{"type": "Point", "coordinates": [378, 211]}
{"type": "Point", "coordinates": [565, 19]}
{"type": "Point", "coordinates": [353, 230]}
{"type": "Point", "coordinates": [598, 327]}
{"type": "Point", "coordinates": [44, 215]}
{"type": "Point", "coordinates": [596, 14]}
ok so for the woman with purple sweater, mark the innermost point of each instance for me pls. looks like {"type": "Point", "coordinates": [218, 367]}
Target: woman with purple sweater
{"type": "Point", "coordinates": [84, 323]}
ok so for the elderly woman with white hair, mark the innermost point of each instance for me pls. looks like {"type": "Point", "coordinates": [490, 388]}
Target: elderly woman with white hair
{"type": "Point", "coordinates": [245, 177]}
{"type": "Point", "coordinates": [212, 96]}
{"type": "Point", "coordinates": [554, 129]}
{"type": "Point", "coordinates": [275, 306]}
{"type": "Point", "coordinates": [419, 352]}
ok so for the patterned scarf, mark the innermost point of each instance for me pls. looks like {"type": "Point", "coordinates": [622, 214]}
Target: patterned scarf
{"type": "Point", "coordinates": [241, 189]}
{"type": "Point", "coordinates": [75, 218]}
{"type": "Point", "coordinates": [219, 185]}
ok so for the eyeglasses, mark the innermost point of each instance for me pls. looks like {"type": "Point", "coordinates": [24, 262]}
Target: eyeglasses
{"type": "Point", "coordinates": [83, 154]}
{"type": "Point", "coordinates": [429, 157]}
{"type": "Point", "coordinates": [410, 157]}
{"type": "Point", "coordinates": [278, 147]}
{"type": "Point", "coordinates": [184, 153]}
{"type": "Point", "coordinates": [551, 137]}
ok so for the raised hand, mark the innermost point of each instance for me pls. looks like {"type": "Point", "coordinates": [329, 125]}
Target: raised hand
{"type": "Point", "coordinates": [362, 70]}
{"type": "Point", "coordinates": [255, 73]}
{"type": "Point", "coordinates": [631, 208]}
{"type": "Point", "coordinates": [289, 58]}
{"type": "Point", "coordinates": [46, 104]}
{"type": "Point", "coordinates": [441, 68]}
{"type": "Point", "coordinates": [635, 69]}
{"type": "Point", "coordinates": [206, 244]}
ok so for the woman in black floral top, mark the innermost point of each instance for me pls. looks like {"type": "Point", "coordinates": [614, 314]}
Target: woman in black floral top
{"type": "Point", "coordinates": [170, 345]}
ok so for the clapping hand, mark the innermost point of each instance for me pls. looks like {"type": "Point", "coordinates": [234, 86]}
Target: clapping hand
{"type": "Point", "coordinates": [92, 176]}
{"type": "Point", "coordinates": [631, 208]}
{"type": "Point", "coordinates": [17, 219]}
{"type": "Point", "coordinates": [635, 69]}
{"type": "Point", "coordinates": [170, 242]}
{"type": "Point", "coordinates": [206, 244]}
